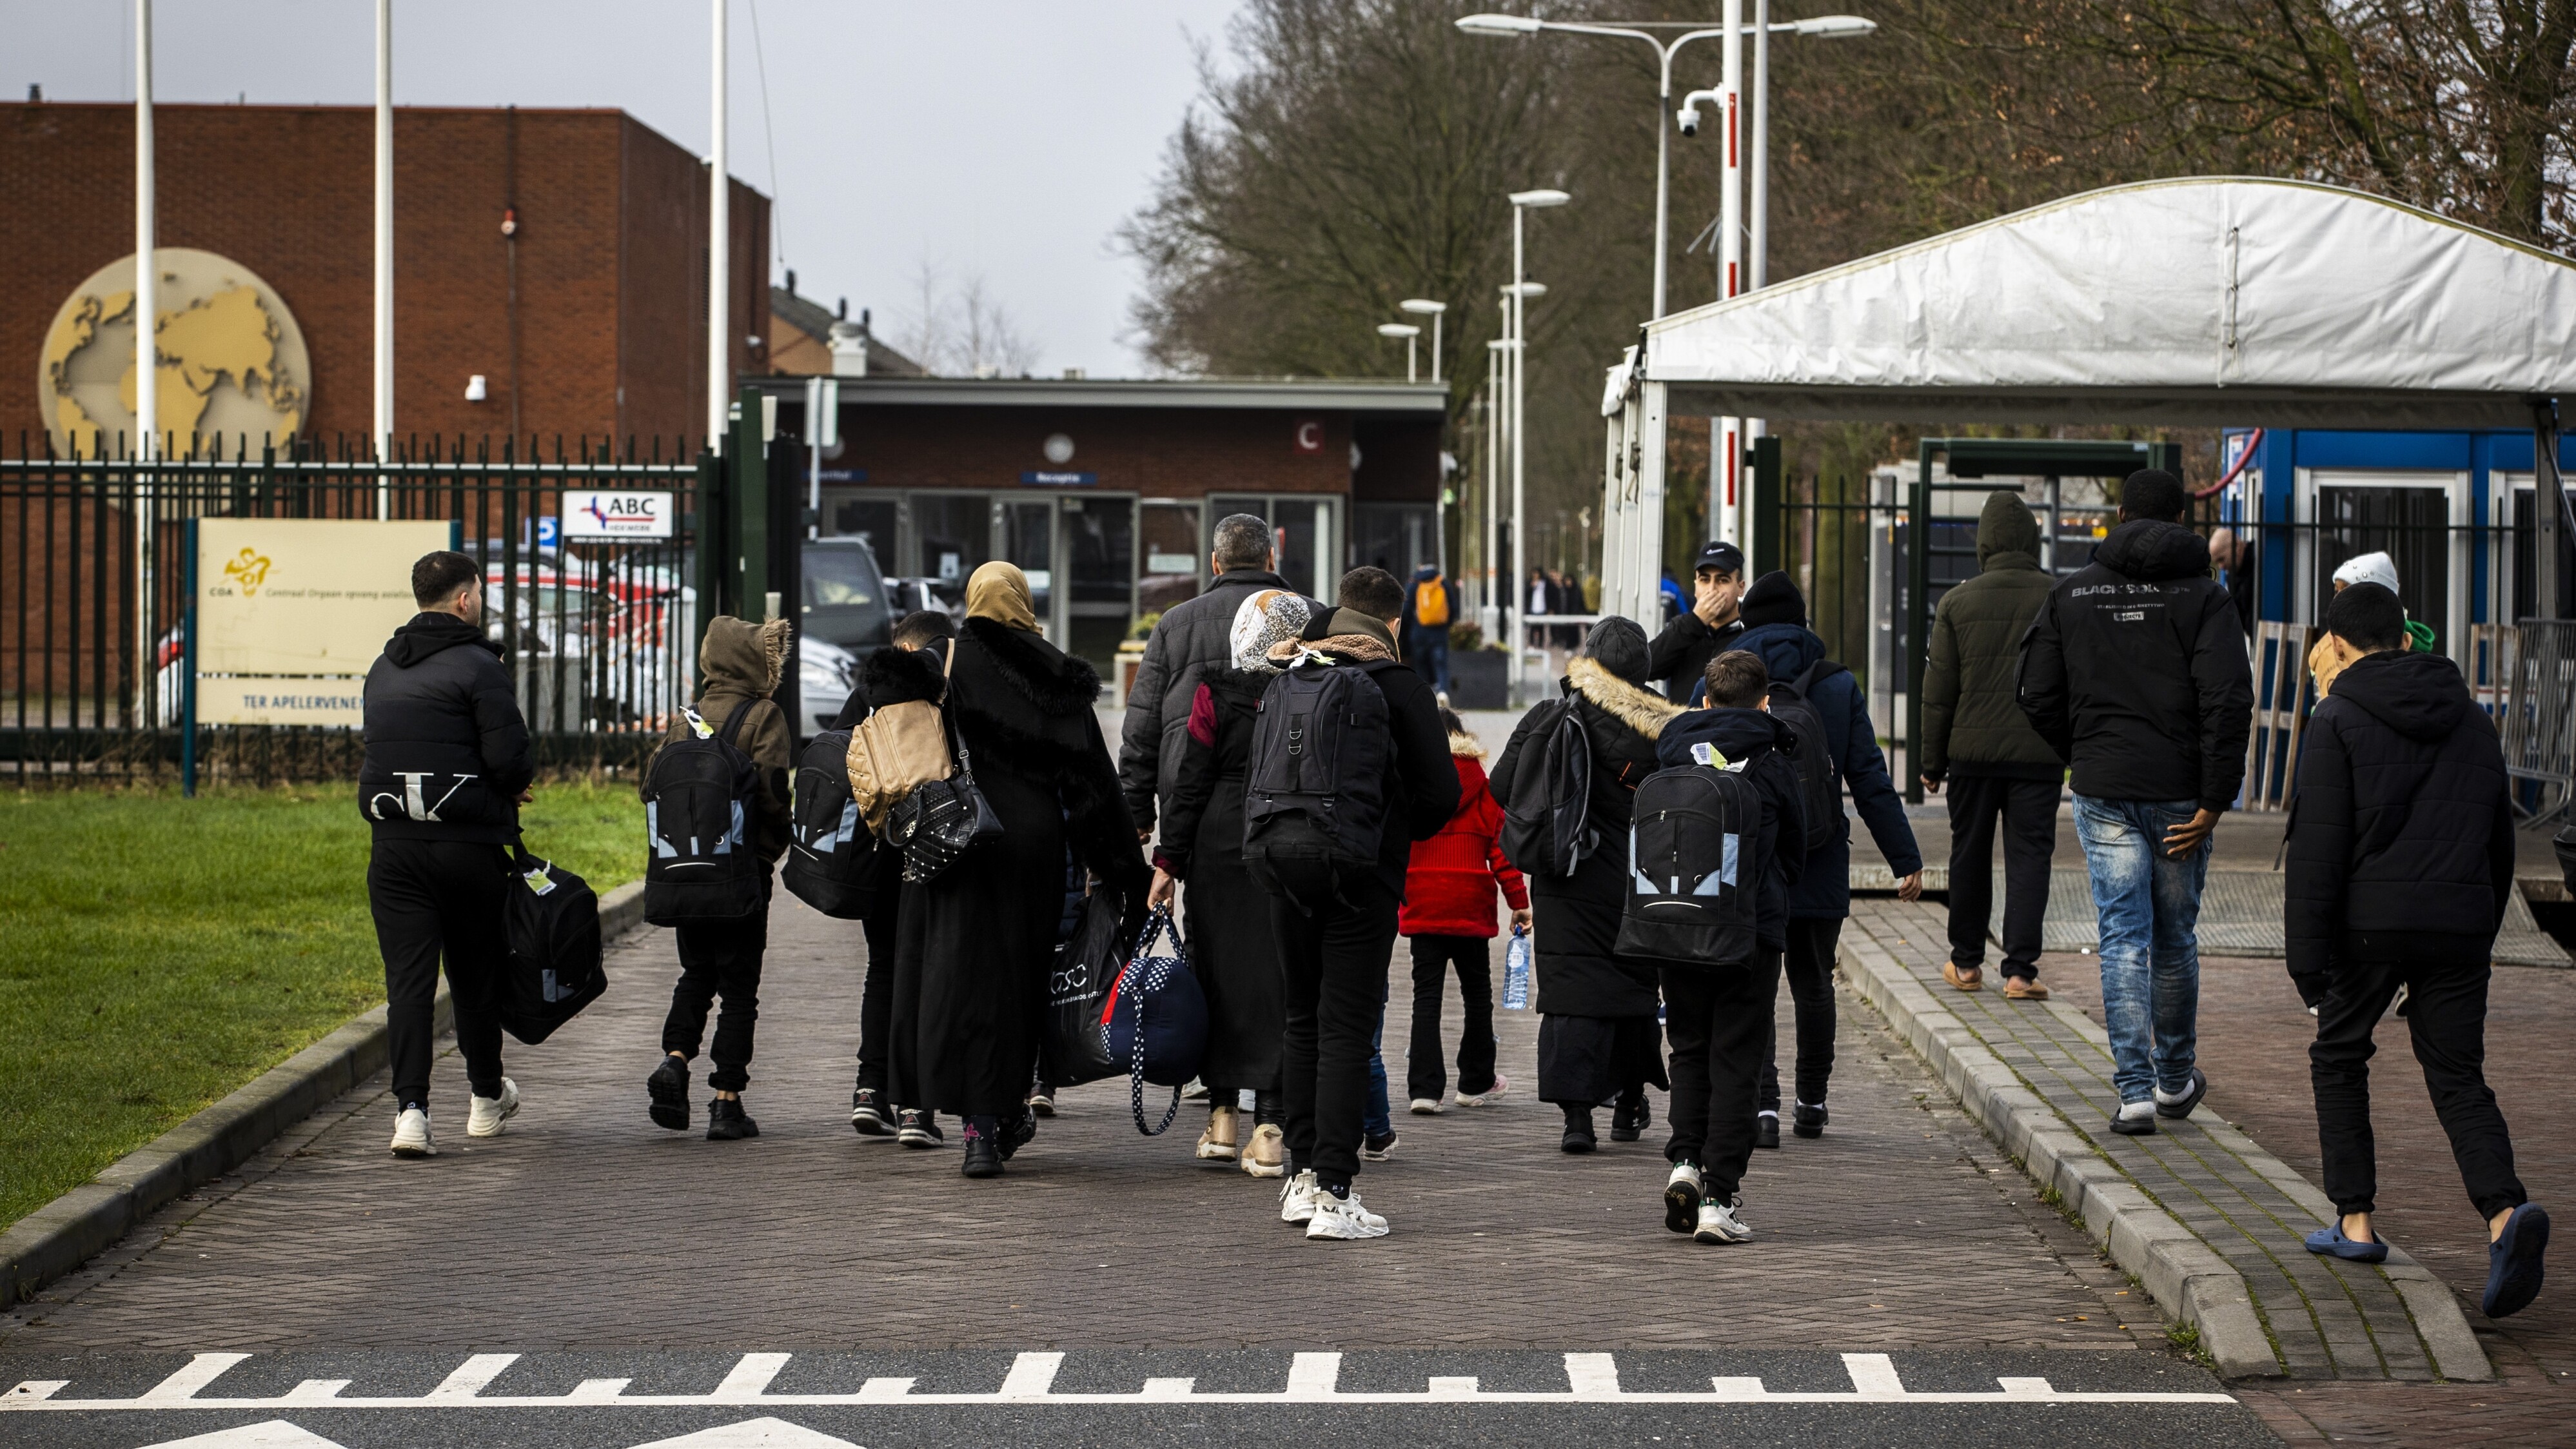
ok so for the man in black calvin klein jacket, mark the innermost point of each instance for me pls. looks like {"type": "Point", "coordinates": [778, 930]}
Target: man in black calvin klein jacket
{"type": "Point", "coordinates": [447, 767]}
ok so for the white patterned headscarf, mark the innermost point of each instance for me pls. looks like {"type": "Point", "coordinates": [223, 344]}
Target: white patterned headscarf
{"type": "Point", "coordinates": [1269, 617]}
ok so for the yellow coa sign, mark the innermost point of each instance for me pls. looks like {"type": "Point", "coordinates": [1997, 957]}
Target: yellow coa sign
{"type": "Point", "coordinates": [291, 611]}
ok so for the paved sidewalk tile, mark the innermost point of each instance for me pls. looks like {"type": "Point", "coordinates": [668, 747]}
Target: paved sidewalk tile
{"type": "Point", "coordinates": [2329, 1319]}
{"type": "Point", "coordinates": [586, 1227]}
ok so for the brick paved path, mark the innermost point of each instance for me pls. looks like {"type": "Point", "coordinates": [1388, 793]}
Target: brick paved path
{"type": "Point", "coordinates": [2328, 1319]}
{"type": "Point", "coordinates": [2253, 1044]}
{"type": "Point", "coordinates": [586, 1227]}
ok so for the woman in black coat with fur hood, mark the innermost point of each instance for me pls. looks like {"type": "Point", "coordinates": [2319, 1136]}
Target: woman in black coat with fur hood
{"type": "Point", "coordinates": [976, 943]}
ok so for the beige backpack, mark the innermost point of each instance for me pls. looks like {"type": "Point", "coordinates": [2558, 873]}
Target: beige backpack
{"type": "Point", "coordinates": [894, 750]}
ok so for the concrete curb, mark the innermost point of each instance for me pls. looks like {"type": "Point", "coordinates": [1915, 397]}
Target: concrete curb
{"type": "Point", "coordinates": [67, 1232]}
{"type": "Point", "coordinates": [2197, 1286]}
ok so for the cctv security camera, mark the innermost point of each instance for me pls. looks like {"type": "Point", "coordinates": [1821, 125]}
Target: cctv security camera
{"type": "Point", "coordinates": [1688, 119]}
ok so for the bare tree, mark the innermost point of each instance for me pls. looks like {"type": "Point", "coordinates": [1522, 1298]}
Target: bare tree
{"type": "Point", "coordinates": [962, 330]}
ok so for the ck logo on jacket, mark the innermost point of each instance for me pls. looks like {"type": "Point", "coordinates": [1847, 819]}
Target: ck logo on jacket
{"type": "Point", "coordinates": [414, 802]}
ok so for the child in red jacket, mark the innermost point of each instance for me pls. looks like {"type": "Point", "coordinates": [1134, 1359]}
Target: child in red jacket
{"type": "Point", "coordinates": [1449, 914]}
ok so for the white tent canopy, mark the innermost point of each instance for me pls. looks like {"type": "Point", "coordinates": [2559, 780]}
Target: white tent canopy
{"type": "Point", "coordinates": [2202, 301]}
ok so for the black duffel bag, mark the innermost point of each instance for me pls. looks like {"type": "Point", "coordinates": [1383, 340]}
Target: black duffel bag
{"type": "Point", "coordinates": [1075, 1048]}
{"type": "Point", "coordinates": [552, 919]}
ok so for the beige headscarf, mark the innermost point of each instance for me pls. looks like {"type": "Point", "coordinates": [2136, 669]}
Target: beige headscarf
{"type": "Point", "coordinates": [1000, 592]}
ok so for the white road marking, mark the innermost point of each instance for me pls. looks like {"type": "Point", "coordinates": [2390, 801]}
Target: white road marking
{"type": "Point", "coordinates": [472, 1377]}
{"type": "Point", "coordinates": [274, 1434]}
{"type": "Point", "coordinates": [182, 1386]}
{"type": "Point", "coordinates": [1313, 1378]}
{"type": "Point", "coordinates": [753, 1434]}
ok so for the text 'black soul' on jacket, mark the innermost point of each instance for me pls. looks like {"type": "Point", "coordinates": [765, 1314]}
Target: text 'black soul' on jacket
{"type": "Point", "coordinates": [447, 749]}
{"type": "Point", "coordinates": [2135, 672]}
{"type": "Point", "coordinates": [2402, 820]}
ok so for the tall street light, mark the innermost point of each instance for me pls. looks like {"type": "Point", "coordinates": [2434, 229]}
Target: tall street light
{"type": "Point", "coordinates": [384, 349]}
{"type": "Point", "coordinates": [1497, 354]}
{"type": "Point", "coordinates": [1726, 441]}
{"type": "Point", "coordinates": [719, 249]}
{"type": "Point", "coordinates": [1407, 331]}
{"type": "Point", "coordinates": [1523, 203]}
{"type": "Point", "coordinates": [1422, 307]}
{"type": "Point", "coordinates": [1524, 25]}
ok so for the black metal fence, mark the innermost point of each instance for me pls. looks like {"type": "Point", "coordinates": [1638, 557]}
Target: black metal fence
{"type": "Point", "coordinates": [597, 633]}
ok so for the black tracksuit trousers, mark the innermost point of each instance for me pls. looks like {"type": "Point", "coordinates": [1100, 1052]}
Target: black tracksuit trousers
{"type": "Point", "coordinates": [719, 959]}
{"type": "Point", "coordinates": [2446, 1012]}
{"type": "Point", "coordinates": [435, 899]}
{"type": "Point", "coordinates": [1433, 958]}
{"type": "Point", "coordinates": [1333, 963]}
{"type": "Point", "coordinates": [1808, 966]}
{"type": "Point", "coordinates": [1718, 1022]}
{"type": "Point", "coordinates": [2028, 810]}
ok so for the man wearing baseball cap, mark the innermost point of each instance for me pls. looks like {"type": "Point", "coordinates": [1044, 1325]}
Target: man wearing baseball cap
{"type": "Point", "coordinates": [1681, 653]}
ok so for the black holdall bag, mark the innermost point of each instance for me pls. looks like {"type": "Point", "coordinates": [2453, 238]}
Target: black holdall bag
{"type": "Point", "coordinates": [1693, 869]}
{"type": "Point", "coordinates": [1314, 800]}
{"type": "Point", "coordinates": [1546, 822]}
{"type": "Point", "coordinates": [552, 922]}
{"type": "Point", "coordinates": [1075, 1048]}
{"type": "Point", "coordinates": [1820, 781]}
{"type": "Point", "coordinates": [698, 802]}
{"type": "Point", "coordinates": [941, 820]}
{"type": "Point", "coordinates": [829, 848]}
{"type": "Point", "coordinates": [1158, 1020]}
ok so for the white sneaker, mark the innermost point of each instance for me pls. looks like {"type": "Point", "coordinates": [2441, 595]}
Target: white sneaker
{"type": "Point", "coordinates": [485, 1116]}
{"type": "Point", "coordinates": [1297, 1197]}
{"type": "Point", "coordinates": [411, 1134]}
{"type": "Point", "coordinates": [1719, 1224]}
{"type": "Point", "coordinates": [1428, 1106]}
{"type": "Point", "coordinates": [1501, 1085]}
{"type": "Point", "coordinates": [1682, 1193]}
{"type": "Point", "coordinates": [1343, 1218]}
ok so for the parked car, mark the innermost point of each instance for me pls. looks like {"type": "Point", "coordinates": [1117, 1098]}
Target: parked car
{"type": "Point", "coordinates": [911, 596]}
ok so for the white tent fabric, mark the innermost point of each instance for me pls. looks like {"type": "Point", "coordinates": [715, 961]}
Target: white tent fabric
{"type": "Point", "coordinates": [2199, 301]}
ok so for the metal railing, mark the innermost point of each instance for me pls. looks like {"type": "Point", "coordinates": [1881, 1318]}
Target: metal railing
{"type": "Point", "coordinates": [598, 634]}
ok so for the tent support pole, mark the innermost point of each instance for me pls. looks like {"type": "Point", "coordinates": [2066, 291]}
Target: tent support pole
{"type": "Point", "coordinates": [2552, 521]}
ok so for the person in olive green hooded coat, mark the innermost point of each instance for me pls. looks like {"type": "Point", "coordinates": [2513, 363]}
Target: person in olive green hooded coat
{"type": "Point", "coordinates": [1976, 738]}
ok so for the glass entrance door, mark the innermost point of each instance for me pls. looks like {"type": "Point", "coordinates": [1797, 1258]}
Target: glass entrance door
{"type": "Point", "coordinates": [2419, 520]}
{"type": "Point", "coordinates": [1024, 534]}
{"type": "Point", "coordinates": [1303, 534]}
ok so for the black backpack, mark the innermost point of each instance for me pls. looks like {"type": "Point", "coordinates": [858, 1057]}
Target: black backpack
{"type": "Point", "coordinates": [698, 802]}
{"type": "Point", "coordinates": [830, 851]}
{"type": "Point", "coordinates": [1314, 799]}
{"type": "Point", "coordinates": [1820, 780]}
{"type": "Point", "coordinates": [1695, 873]}
{"type": "Point", "coordinates": [1546, 828]}
{"type": "Point", "coordinates": [552, 921]}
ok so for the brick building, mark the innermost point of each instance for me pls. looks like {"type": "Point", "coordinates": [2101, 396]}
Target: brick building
{"type": "Point", "coordinates": [1107, 491]}
{"type": "Point", "coordinates": [587, 320]}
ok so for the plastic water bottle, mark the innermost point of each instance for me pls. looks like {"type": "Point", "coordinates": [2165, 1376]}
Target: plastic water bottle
{"type": "Point", "coordinates": [1516, 971]}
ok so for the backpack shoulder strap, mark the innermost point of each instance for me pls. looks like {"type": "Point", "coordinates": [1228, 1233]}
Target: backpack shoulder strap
{"type": "Point", "coordinates": [732, 732]}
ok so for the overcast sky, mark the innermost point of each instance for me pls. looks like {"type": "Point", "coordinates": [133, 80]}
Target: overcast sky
{"type": "Point", "coordinates": [1006, 138]}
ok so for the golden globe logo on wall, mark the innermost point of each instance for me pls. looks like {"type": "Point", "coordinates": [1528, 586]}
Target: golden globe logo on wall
{"type": "Point", "coordinates": [232, 360]}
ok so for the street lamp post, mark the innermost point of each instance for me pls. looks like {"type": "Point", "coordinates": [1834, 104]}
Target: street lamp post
{"type": "Point", "coordinates": [1409, 332]}
{"type": "Point", "coordinates": [1523, 202]}
{"type": "Point", "coordinates": [719, 245]}
{"type": "Point", "coordinates": [1421, 307]}
{"type": "Point", "coordinates": [1523, 25]}
{"type": "Point", "coordinates": [1734, 276]}
{"type": "Point", "coordinates": [1497, 353]}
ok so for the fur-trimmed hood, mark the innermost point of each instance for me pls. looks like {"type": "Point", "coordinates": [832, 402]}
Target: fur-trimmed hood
{"type": "Point", "coordinates": [1465, 747]}
{"type": "Point", "coordinates": [1057, 684]}
{"type": "Point", "coordinates": [1335, 648]}
{"type": "Point", "coordinates": [899, 676]}
{"type": "Point", "coordinates": [740, 655]}
{"type": "Point", "coordinates": [1639, 710]}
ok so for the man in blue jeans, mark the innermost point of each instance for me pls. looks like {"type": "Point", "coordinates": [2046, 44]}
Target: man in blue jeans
{"type": "Point", "coordinates": [2135, 673]}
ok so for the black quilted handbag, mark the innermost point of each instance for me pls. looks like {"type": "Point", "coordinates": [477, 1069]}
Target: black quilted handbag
{"type": "Point", "coordinates": [941, 820]}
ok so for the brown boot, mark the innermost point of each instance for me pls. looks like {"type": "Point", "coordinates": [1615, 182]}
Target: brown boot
{"type": "Point", "coordinates": [1972, 979]}
{"type": "Point", "coordinates": [2024, 988]}
{"type": "Point", "coordinates": [1216, 1144]}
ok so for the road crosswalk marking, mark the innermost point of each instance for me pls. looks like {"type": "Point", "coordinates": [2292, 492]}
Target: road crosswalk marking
{"type": "Point", "coordinates": [1313, 1378]}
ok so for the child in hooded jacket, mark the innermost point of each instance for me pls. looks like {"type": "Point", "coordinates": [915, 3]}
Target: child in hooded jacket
{"type": "Point", "coordinates": [1448, 914]}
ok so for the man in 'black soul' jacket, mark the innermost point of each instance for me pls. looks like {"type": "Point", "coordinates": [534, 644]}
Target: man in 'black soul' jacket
{"type": "Point", "coordinates": [446, 768]}
{"type": "Point", "coordinates": [2134, 672]}
{"type": "Point", "coordinates": [2400, 857]}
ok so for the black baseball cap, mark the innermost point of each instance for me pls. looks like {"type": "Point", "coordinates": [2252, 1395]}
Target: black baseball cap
{"type": "Point", "coordinates": [1717, 554]}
